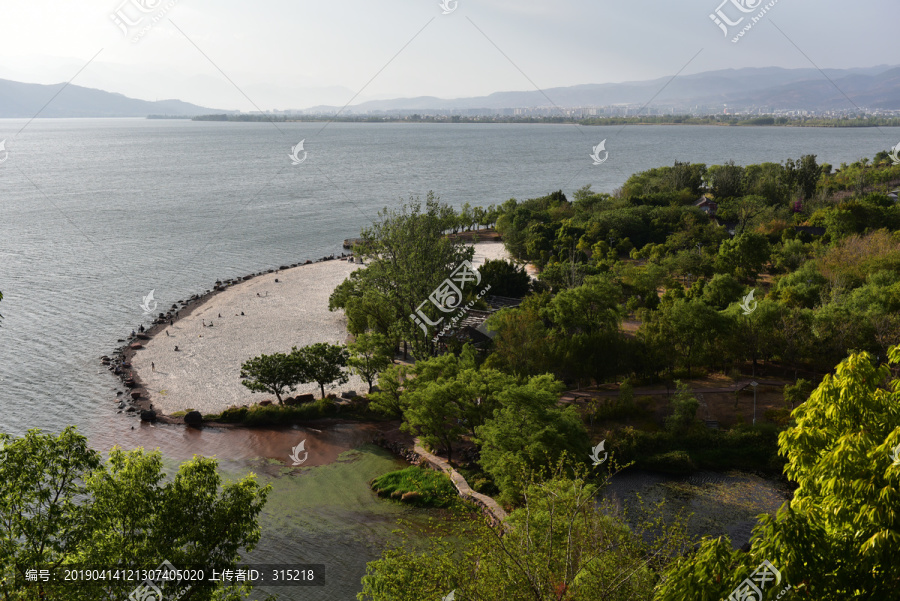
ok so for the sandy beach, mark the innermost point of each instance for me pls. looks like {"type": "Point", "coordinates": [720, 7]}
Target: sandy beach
{"type": "Point", "coordinates": [204, 374]}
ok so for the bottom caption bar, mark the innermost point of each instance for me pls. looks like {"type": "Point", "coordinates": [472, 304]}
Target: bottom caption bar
{"type": "Point", "coordinates": [168, 575]}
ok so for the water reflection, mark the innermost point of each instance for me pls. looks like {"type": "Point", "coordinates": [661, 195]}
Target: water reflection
{"type": "Point", "coordinates": [717, 503]}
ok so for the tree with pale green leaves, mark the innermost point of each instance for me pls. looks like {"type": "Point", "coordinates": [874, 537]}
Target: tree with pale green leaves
{"type": "Point", "coordinates": [560, 545]}
{"type": "Point", "coordinates": [837, 537]}
{"type": "Point", "coordinates": [62, 506]}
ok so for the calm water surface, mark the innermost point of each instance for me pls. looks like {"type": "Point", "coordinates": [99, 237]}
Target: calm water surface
{"type": "Point", "coordinates": [96, 213]}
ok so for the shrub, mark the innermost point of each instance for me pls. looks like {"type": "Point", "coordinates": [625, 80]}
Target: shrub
{"type": "Point", "coordinates": [233, 415]}
{"type": "Point", "coordinates": [674, 462]}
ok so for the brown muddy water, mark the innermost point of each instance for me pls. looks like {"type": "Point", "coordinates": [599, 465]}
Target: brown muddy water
{"type": "Point", "coordinates": [321, 512]}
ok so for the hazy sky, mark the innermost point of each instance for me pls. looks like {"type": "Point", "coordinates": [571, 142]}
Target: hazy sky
{"type": "Point", "coordinates": [300, 53]}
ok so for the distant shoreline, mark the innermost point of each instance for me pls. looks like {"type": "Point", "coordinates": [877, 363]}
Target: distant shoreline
{"type": "Point", "coordinates": [710, 120]}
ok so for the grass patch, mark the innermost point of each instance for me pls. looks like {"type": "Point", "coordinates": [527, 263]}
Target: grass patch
{"type": "Point", "coordinates": [285, 415]}
{"type": "Point", "coordinates": [179, 414]}
{"type": "Point", "coordinates": [416, 486]}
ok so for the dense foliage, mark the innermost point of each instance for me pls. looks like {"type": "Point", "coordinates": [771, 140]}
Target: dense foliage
{"type": "Point", "coordinates": [61, 506]}
{"type": "Point", "coordinates": [558, 545]}
{"type": "Point", "coordinates": [836, 539]}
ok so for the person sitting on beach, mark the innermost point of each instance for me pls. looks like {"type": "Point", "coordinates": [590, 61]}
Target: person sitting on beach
{"type": "Point", "coordinates": [176, 347]}
{"type": "Point", "coordinates": [204, 322]}
{"type": "Point", "coordinates": [133, 334]}
{"type": "Point", "coordinates": [210, 324]}
{"type": "Point", "coordinates": [257, 294]}
{"type": "Point", "coordinates": [242, 312]}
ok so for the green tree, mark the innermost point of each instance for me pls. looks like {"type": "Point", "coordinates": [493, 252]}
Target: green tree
{"type": "Point", "coordinates": [590, 308]}
{"type": "Point", "coordinates": [505, 278]}
{"type": "Point", "coordinates": [835, 539]}
{"type": "Point", "coordinates": [558, 545]}
{"type": "Point", "coordinates": [808, 173]}
{"type": "Point", "coordinates": [798, 392]}
{"type": "Point", "coordinates": [369, 356]}
{"type": "Point", "coordinates": [529, 431]}
{"type": "Point", "coordinates": [743, 256]}
{"type": "Point", "coordinates": [408, 257]}
{"type": "Point", "coordinates": [722, 290]}
{"type": "Point", "coordinates": [389, 397]}
{"type": "Point", "coordinates": [521, 344]}
{"type": "Point", "coordinates": [321, 363]}
{"type": "Point", "coordinates": [60, 506]}
{"type": "Point", "coordinates": [275, 374]}
{"type": "Point", "coordinates": [688, 327]}
{"type": "Point", "coordinates": [684, 409]}
{"type": "Point", "coordinates": [726, 181]}
{"type": "Point", "coordinates": [450, 397]}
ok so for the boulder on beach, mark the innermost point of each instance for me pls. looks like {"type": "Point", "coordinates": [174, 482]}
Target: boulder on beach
{"type": "Point", "coordinates": [135, 346]}
{"type": "Point", "coordinates": [148, 415]}
{"type": "Point", "coordinates": [265, 403]}
{"type": "Point", "coordinates": [193, 418]}
{"type": "Point", "coordinates": [303, 398]}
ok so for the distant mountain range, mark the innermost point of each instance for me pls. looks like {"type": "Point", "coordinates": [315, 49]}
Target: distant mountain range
{"type": "Point", "coordinates": [769, 87]}
{"type": "Point", "coordinates": [26, 99]}
{"type": "Point", "coordinates": [766, 88]}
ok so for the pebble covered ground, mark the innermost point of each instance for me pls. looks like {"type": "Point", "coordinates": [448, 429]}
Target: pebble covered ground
{"type": "Point", "coordinates": [204, 373]}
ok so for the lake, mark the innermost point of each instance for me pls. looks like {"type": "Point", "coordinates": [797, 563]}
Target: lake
{"type": "Point", "coordinates": [98, 212]}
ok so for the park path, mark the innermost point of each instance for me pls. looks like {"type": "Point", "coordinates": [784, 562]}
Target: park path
{"type": "Point", "coordinates": [493, 510]}
{"type": "Point", "coordinates": [581, 395]}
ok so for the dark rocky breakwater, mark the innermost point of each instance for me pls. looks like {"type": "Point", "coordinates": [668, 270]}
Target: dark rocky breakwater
{"type": "Point", "coordinates": [133, 400]}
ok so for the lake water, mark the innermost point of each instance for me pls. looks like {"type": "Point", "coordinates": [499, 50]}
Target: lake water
{"type": "Point", "coordinates": [95, 213]}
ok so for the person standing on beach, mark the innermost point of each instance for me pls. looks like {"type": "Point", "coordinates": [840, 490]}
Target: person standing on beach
{"type": "Point", "coordinates": [152, 366]}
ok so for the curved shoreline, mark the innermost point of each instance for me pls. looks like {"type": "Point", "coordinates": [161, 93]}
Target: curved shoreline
{"type": "Point", "coordinates": [203, 373]}
{"type": "Point", "coordinates": [123, 355]}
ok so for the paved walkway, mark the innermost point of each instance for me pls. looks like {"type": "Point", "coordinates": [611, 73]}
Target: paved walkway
{"type": "Point", "coordinates": [576, 395]}
{"type": "Point", "coordinates": [487, 504]}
